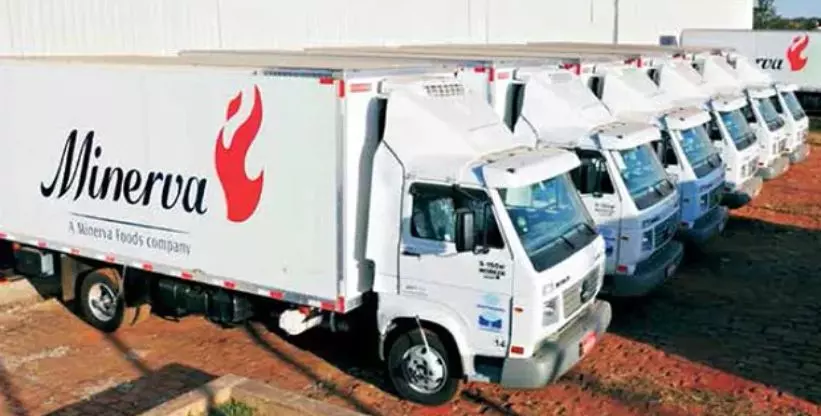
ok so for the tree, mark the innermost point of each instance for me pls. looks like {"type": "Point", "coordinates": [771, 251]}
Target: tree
{"type": "Point", "coordinates": [765, 16]}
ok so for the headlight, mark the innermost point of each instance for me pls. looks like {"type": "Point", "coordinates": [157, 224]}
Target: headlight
{"type": "Point", "coordinates": [546, 289]}
{"type": "Point", "coordinates": [704, 201]}
{"type": "Point", "coordinates": [647, 240]}
{"type": "Point", "coordinates": [550, 313]}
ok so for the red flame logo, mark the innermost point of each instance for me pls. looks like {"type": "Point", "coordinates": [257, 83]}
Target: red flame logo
{"type": "Point", "coordinates": [242, 194]}
{"type": "Point", "coordinates": [796, 49]}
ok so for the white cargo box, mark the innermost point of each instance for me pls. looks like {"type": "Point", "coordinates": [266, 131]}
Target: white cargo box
{"type": "Point", "coordinates": [244, 174]}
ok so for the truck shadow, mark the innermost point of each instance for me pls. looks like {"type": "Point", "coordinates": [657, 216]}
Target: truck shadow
{"type": "Point", "coordinates": [747, 304]}
{"type": "Point", "coordinates": [140, 395]}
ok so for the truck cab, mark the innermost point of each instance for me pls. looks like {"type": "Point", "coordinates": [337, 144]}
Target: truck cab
{"type": "Point", "coordinates": [727, 129]}
{"type": "Point", "coordinates": [634, 203]}
{"type": "Point", "coordinates": [769, 128]}
{"type": "Point", "coordinates": [481, 240]}
{"type": "Point", "coordinates": [684, 149]}
{"type": "Point", "coordinates": [784, 102]}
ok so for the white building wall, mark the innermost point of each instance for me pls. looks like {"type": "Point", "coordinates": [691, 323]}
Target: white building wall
{"type": "Point", "coordinates": [165, 26]}
{"type": "Point", "coordinates": [643, 21]}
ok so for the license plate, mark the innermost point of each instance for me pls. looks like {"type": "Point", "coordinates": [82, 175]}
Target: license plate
{"type": "Point", "coordinates": [670, 270]}
{"type": "Point", "coordinates": [587, 343]}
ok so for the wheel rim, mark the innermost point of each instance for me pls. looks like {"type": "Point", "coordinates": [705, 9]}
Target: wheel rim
{"type": "Point", "coordinates": [424, 369]}
{"type": "Point", "coordinates": [102, 301]}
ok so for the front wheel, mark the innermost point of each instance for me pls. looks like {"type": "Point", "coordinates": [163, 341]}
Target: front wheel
{"type": "Point", "coordinates": [420, 374]}
{"type": "Point", "coordinates": [101, 303]}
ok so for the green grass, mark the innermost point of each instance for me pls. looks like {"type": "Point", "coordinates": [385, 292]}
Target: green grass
{"type": "Point", "coordinates": [232, 408]}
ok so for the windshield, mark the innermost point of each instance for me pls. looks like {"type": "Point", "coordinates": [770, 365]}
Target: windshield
{"type": "Point", "coordinates": [739, 130]}
{"type": "Point", "coordinates": [549, 218]}
{"type": "Point", "coordinates": [794, 106]}
{"type": "Point", "coordinates": [765, 107]}
{"type": "Point", "coordinates": [643, 175]}
{"type": "Point", "coordinates": [701, 154]}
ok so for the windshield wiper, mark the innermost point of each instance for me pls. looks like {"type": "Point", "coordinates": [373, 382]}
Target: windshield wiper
{"type": "Point", "coordinates": [567, 241]}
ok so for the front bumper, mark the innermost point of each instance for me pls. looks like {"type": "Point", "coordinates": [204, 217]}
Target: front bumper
{"type": "Point", "coordinates": [775, 169]}
{"type": "Point", "coordinates": [706, 227]}
{"type": "Point", "coordinates": [557, 356]}
{"type": "Point", "coordinates": [649, 274]}
{"type": "Point", "coordinates": [737, 198]}
{"type": "Point", "coordinates": [800, 153]}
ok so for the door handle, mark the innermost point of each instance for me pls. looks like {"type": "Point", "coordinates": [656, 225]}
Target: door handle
{"type": "Point", "coordinates": [410, 253]}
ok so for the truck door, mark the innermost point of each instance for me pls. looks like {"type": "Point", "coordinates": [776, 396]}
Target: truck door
{"type": "Point", "coordinates": [475, 287]}
{"type": "Point", "coordinates": [593, 182]}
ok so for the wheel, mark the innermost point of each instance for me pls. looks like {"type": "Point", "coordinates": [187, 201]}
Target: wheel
{"type": "Point", "coordinates": [101, 305]}
{"type": "Point", "coordinates": [421, 375]}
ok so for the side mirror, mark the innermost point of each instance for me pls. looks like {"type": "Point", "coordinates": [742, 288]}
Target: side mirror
{"type": "Point", "coordinates": [465, 230]}
{"type": "Point", "coordinates": [673, 178]}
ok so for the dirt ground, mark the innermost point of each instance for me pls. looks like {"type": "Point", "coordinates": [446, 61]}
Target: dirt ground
{"type": "Point", "coordinates": [738, 333]}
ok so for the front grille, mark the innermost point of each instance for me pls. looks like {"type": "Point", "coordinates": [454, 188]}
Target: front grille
{"type": "Point", "coordinates": [665, 230]}
{"type": "Point", "coordinates": [714, 196]}
{"type": "Point", "coordinates": [582, 291]}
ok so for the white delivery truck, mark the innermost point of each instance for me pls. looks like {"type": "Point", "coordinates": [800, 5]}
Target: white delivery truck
{"type": "Point", "coordinates": [789, 56]}
{"type": "Point", "coordinates": [728, 130]}
{"type": "Point", "coordinates": [770, 129]}
{"type": "Point", "coordinates": [301, 187]}
{"type": "Point", "coordinates": [634, 205]}
{"type": "Point", "coordinates": [785, 103]}
{"type": "Point", "coordinates": [685, 149]}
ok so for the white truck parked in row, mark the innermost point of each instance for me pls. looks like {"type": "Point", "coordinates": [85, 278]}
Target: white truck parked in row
{"type": "Point", "coordinates": [634, 205]}
{"type": "Point", "coordinates": [685, 149]}
{"type": "Point", "coordinates": [728, 130]}
{"type": "Point", "coordinates": [784, 102]}
{"type": "Point", "coordinates": [770, 130]}
{"type": "Point", "coordinates": [304, 187]}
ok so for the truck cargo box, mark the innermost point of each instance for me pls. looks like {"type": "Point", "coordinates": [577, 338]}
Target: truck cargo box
{"type": "Point", "coordinates": [235, 175]}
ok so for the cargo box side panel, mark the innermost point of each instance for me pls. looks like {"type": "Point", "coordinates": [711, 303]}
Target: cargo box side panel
{"type": "Point", "coordinates": [128, 161]}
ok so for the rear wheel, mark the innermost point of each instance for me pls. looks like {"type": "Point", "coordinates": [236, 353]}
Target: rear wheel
{"type": "Point", "coordinates": [421, 374]}
{"type": "Point", "coordinates": [101, 303]}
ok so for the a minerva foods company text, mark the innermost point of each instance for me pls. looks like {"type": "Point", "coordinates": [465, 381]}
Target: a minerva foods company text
{"type": "Point", "coordinates": [129, 237]}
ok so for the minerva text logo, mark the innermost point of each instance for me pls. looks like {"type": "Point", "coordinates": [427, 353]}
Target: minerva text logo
{"type": "Point", "coordinates": [83, 173]}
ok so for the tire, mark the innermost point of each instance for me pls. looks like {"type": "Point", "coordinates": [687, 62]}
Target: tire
{"type": "Point", "coordinates": [106, 318]}
{"type": "Point", "coordinates": [411, 343]}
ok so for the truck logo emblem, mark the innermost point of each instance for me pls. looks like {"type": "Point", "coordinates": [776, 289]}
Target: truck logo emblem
{"type": "Point", "coordinates": [795, 51]}
{"type": "Point", "coordinates": [242, 194]}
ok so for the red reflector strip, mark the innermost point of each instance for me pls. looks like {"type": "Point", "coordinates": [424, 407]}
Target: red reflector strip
{"type": "Point", "coordinates": [109, 259]}
{"type": "Point", "coordinates": [3, 235]}
{"type": "Point", "coordinates": [491, 74]}
{"type": "Point", "coordinates": [42, 244]}
{"type": "Point", "coordinates": [515, 349]}
{"type": "Point", "coordinates": [276, 295]}
{"type": "Point", "coordinates": [503, 75]}
{"type": "Point", "coordinates": [74, 251]}
{"type": "Point", "coordinates": [340, 304]}
{"type": "Point", "coordinates": [360, 87]}
{"type": "Point", "coordinates": [478, 69]}
{"type": "Point", "coordinates": [187, 275]}
{"type": "Point", "coordinates": [326, 80]}
{"type": "Point", "coordinates": [229, 284]}
{"type": "Point", "coordinates": [328, 306]}
{"type": "Point", "coordinates": [518, 309]}
{"type": "Point", "coordinates": [340, 89]}
{"type": "Point", "coordinates": [148, 267]}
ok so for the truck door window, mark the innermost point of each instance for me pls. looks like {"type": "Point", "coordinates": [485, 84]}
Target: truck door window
{"type": "Point", "coordinates": [777, 104]}
{"type": "Point", "coordinates": [434, 214]}
{"type": "Point", "coordinates": [592, 176]}
{"type": "Point", "coordinates": [664, 150]}
{"type": "Point", "coordinates": [714, 130]}
{"type": "Point", "coordinates": [748, 114]}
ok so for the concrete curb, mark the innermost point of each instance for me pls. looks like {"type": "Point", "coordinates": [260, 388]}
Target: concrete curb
{"type": "Point", "coordinates": [268, 400]}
